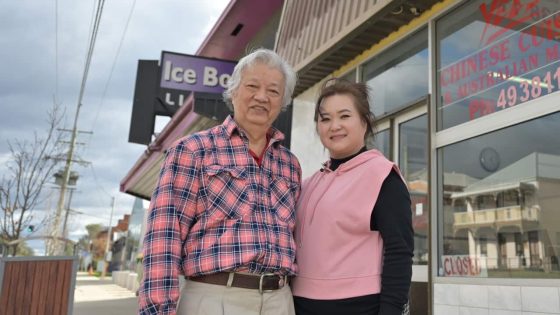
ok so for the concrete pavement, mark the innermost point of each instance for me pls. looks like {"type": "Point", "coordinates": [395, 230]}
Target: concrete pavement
{"type": "Point", "coordinates": [93, 296]}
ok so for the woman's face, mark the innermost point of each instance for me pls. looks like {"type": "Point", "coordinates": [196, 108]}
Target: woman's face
{"type": "Point", "coordinates": [258, 99]}
{"type": "Point", "coordinates": [340, 126]}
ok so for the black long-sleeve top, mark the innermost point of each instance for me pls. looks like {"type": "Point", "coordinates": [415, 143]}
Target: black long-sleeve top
{"type": "Point", "coordinates": [392, 217]}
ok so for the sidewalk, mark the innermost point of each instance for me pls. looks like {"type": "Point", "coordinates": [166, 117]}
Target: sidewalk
{"type": "Point", "coordinates": [93, 297]}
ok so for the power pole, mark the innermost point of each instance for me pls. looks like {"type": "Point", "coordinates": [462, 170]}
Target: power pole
{"type": "Point", "coordinates": [64, 226]}
{"type": "Point", "coordinates": [56, 248]}
{"type": "Point", "coordinates": [106, 266]}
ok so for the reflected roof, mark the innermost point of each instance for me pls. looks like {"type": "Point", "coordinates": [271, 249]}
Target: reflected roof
{"type": "Point", "coordinates": [528, 169]}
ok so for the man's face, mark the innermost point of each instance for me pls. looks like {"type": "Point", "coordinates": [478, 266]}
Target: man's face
{"type": "Point", "coordinates": [258, 99]}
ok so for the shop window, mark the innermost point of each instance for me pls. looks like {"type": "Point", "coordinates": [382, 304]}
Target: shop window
{"type": "Point", "coordinates": [398, 76]}
{"type": "Point", "coordinates": [493, 55]}
{"type": "Point", "coordinates": [413, 162]}
{"type": "Point", "coordinates": [531, 167]}
{"type": "Point", "coordinates": [382, 142]}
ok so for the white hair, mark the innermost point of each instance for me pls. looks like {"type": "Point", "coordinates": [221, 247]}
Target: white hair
{"type": "Point", "coordinates": [266, 57]}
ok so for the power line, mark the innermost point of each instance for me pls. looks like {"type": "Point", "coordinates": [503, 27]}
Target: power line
{"type": "Point", "coordinates": [56, 249]}
{"type": "Point", "coordinates": [114, 63]}
{"type": "Point", "coordinates": [97, 181]}
{"type": "Point", "coordinates": [92, 41]}
{"type": "Point", "coordinates": [56, 51]}
{"type": "Point", "coordinates": [123, 36]}
{"type": "Point", "coordinates": [80, 213]}
{"type": "Point", "coordinates": [91, 21]}
{"type": "Point", "coordinates": [100, 107]}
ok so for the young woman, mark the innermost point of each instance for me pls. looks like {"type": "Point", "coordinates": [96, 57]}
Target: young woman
{"type": "Point", "coordinates": [354, 223]}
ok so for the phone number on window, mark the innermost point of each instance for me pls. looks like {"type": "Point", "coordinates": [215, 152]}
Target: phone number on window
{"type": "Point", "coordinates": [529, 89]}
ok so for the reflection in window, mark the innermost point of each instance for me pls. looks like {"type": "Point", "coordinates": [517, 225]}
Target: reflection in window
{"type": "Point", "coordinates": [483, 245]}
{"type": "Point", "coordinates": [134, 236]}
{"type": "Point", "coordinates": [508, 198]}
{"type": "Point", "coordinates": [504, 221]}
{"type": "Point", "coordinates": [488, 62]}
{"type": "Point", "coordinates": [413, 162]}
{"type": "Point", "coordinates": [398, 76]}
{"type": "Point", "coordinates": [382, 142]}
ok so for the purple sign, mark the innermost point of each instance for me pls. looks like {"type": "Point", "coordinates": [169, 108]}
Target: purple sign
{"type": "Point", "coordinates": [194, 73]}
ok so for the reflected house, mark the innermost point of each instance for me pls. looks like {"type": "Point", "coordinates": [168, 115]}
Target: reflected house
{"type": "Point", "coordinates": [418, 188]}
{"type": "Point", "coordinates": [453, 183]}
{"type": "Point", "coordinates": [511, 217]}
{"type": "Point", "coordinates": [413, 162]}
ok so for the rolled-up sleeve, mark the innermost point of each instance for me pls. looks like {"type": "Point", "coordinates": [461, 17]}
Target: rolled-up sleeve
{"type": "Point", "coordinates": [172, 207]}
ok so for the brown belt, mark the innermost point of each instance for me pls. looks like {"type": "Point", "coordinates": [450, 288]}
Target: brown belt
{"type": "Point", "coordinates": [262, 282]}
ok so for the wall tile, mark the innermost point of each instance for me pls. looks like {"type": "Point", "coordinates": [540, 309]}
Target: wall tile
{"type": "Point", "coordinates": [503, 312]}
{"type": "Point", "coordinates": [446, 294]}
{"type": "Point", "coordinates": [464, 310]}
{"type": "Point", "coordinates": [445, 310]}
{"type": "Point", "coordinates": [474, 296]}
{"type": "Point", "coordinates": [504, 297]}
{"type": "Point", "coordinates": [540, 299]}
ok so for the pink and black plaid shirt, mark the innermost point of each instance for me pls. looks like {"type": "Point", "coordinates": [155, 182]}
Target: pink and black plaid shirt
{"type": "Point", "coordinates": [215, 209]}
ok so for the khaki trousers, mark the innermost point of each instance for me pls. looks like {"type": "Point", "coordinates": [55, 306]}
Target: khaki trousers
{"type": "Point", "coordinates": [209, 299]}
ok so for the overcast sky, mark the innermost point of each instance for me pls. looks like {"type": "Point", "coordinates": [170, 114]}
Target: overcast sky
{"type": "Point", "coordinates": [28, 82]}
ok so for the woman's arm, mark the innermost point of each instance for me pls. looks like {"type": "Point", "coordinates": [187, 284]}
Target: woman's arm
{"type": "Point", "coordinates": [392, 217]}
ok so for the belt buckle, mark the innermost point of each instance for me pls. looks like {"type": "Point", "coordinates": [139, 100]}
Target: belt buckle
{"type": "Point", "coordinates": [261, 279]}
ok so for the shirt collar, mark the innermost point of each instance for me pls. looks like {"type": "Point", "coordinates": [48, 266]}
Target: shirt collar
{"type": "Point", "coordinates": [231, 127]}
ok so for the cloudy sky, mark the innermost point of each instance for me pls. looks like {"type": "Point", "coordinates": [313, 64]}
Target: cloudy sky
{"type": "Point", "coordinates": [28, 82]}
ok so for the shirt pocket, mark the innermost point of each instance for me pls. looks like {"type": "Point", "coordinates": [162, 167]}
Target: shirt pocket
{"type": "Point", "coordinates": [282, 197]}
{"type": "Point", "coordinates": [227, 192]}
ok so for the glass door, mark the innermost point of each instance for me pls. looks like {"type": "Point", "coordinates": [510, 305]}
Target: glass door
{"type": "Point", "coordinates": [410, 151]}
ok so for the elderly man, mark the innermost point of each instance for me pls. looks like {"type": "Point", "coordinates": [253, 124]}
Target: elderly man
{"type": "Point", "coordinates": [222, 213]}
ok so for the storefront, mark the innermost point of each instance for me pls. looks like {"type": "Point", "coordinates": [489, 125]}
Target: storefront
{"type": "Point", "coordinates": [466, 95]}
{"type": "Point", "coordinates": [466, 99]}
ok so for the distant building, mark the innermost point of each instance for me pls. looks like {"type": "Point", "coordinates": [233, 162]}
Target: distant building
{"type": "Point", "coordinates": [136, 228]}
{"type": "Point", "coordinates": [117, 248]}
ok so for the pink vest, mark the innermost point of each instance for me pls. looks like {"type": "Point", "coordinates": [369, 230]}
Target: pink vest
{"type": "Point", "coordinates": [338, 255]}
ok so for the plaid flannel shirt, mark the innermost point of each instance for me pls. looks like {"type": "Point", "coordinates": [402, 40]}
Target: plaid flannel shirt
{"type": "Point", "coordinates": [214, 209]}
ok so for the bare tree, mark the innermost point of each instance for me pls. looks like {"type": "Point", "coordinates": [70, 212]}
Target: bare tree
{"type": "Point", "coordinates": [30, 165]}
